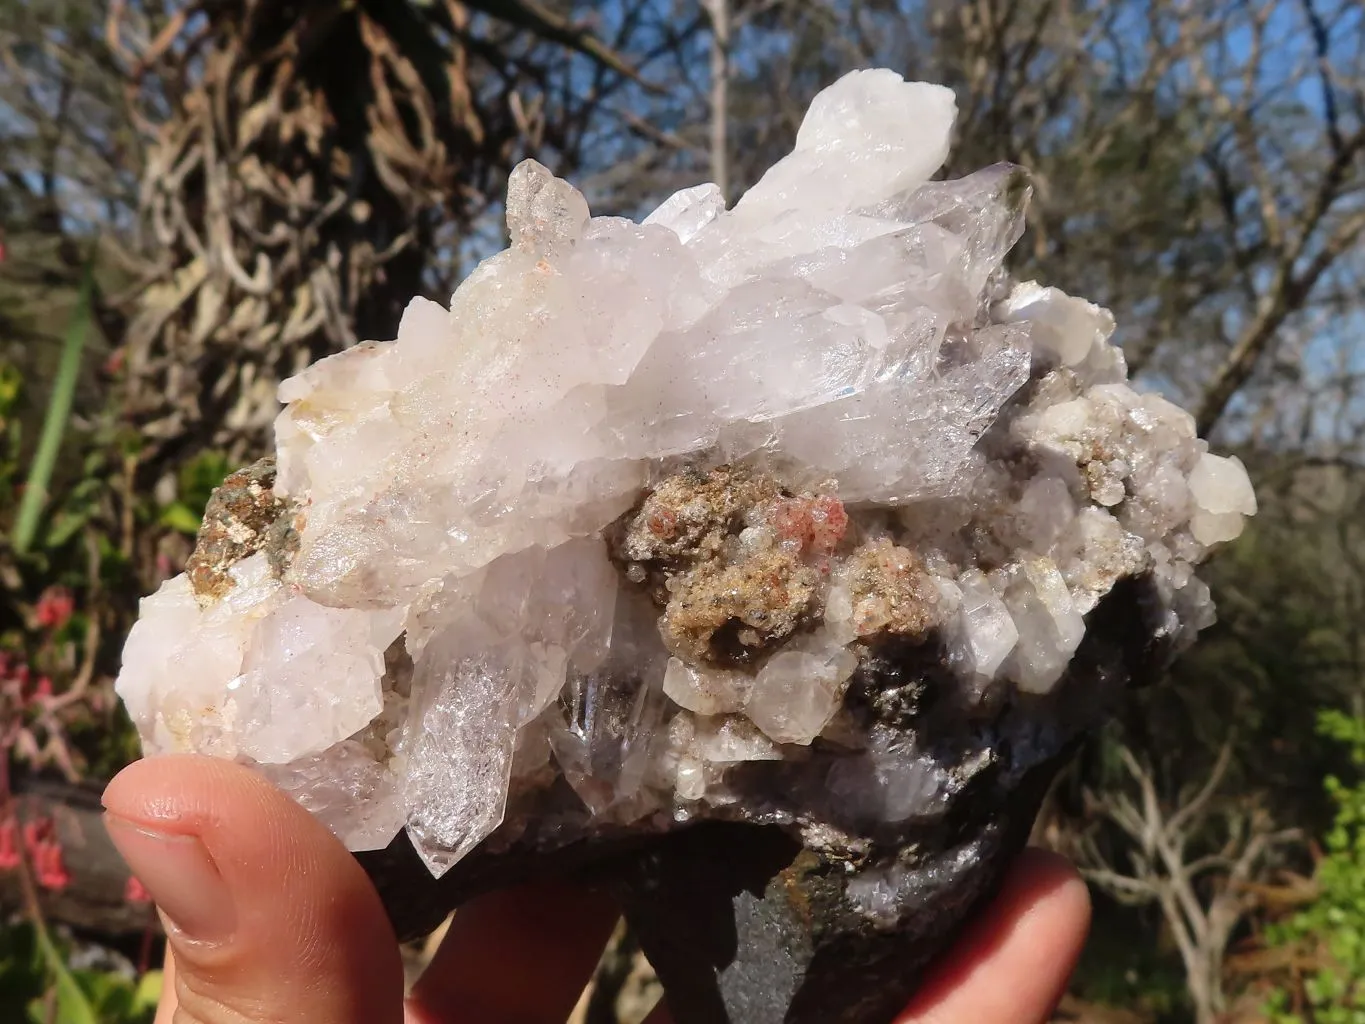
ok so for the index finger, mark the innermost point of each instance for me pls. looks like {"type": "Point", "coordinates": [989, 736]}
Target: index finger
{"type": "Point", "coordinates": [1012, 964]}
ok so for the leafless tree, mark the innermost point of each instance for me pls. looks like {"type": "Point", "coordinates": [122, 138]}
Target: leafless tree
{"type": "Point", "coordinates": [1202, 888]}
{"type": "Point", "coordinates": [1198, 166]}
{"type": "Point", "coordinates": [310, 168]}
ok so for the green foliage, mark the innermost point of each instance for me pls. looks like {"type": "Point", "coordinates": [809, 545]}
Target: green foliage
{"type": "Point", "coordinates": [1287, 643]}
{"type": "Point", "coordinates": [78, 546]}
{"type": "Point", "coordinates": [1116, 971]}
{"type": "Point", "coordinates": [1331, 930]}
{"type": "Point", "coordinates": [34, 978]}
{"type": "Point", "coordinates": [197, 479]}
{"type": "Point", "coordinates": [73, 1007]}
{"type": "Point", "coordinates": [11, 431]}
{"type": "Point", "coordinates": [59, 404]}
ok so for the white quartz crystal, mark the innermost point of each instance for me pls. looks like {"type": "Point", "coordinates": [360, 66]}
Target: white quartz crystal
{"type": "Point", "coordinates": [438, 618]}
{"type": "Point", "coordinates": [798, 691]}
{"type": "Point", "coordinates": [985, 633]}
{"type": "Point", "coordinates": [715, 691]}
{"type": "Point", "coordinates": [1066, 327]}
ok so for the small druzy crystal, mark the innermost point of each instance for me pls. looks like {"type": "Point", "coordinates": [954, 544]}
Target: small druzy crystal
{"type": "Point", "coordinates": [798, 513]}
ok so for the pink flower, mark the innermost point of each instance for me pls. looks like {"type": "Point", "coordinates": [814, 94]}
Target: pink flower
{"type": "Point", "coordinates": [55, 607]}
{"type": "Point", "coordinates": [49, 865]}
{"type": "Point", "coordinates": [35, 831]}
{"type": "Point", "coordinates": [45, 851]}
{"type": "Point", "coordinates": [135, 891]}
{"type": "Point", "coordinates": [9, 844]}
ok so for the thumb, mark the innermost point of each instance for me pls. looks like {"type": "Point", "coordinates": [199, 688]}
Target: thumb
{"type": "Point", "coordinates": [268, 917]}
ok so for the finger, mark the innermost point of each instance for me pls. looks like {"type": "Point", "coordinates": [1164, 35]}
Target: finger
{"type": "Point", "coordinates": [659, 1015]}
{"type": "Point", "coordinates": [1012, 964]}
{"type": "Point", "coordinates": [165, 1009]}
{"type": "Point", "coordinates": [267, 916]}
{"type": "Point", "coordinates": [521, 956]}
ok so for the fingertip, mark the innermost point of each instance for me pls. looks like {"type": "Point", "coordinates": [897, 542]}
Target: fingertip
{"type": "Point", "coordinates": [190, 793]}
{"type": "Point", "coordinates": [265, 907]}
{"type": "Point", "coordinates": [1012, 963]}
{"type": "Point", "coordinates": [1047, 880]}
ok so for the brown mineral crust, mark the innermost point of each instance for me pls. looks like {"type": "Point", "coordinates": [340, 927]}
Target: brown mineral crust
{"type": "Point", "coordinates": [688, 517]}
{"type": "Point", "coordinates": [729, 614]}
{"type": "Point", "coordinates": [238, 522]}
{"type": "Point", "coordinates": [282, 540]}
{"type": "Point", "coordinates": [727, 602]}
{"type": "Point", "coordinates": [892, 592]}
{"type": "Point", "coordinates": [724, 604]}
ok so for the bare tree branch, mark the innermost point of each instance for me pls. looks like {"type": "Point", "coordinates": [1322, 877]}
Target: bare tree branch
{"type": "Point", "coordinates": [1202, 898]}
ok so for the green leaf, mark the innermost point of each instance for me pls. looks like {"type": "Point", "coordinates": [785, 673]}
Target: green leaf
{"type": "Point", "coordinates": [148, 993]}
{"type": "Point", "coordinates": [22, 977]}
{"type": "Point", "coordinates": [72, 1005]}
{"type": "Point", "coordinates": [58, 414]}
{"type": "Point", "coordinates": [201, 476]}
{"type": "Point", "coordinates": [178, 516]}
{"type": "Point", "coordinates": [64, 526]}
{"type": "Point", "coordinates": [11, 383]}
{"type": "Point", "coordinates": [1336, 918]}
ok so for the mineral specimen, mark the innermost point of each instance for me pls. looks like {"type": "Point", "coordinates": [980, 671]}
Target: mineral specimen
{"type": "Point", "coordinates": [795, 514]}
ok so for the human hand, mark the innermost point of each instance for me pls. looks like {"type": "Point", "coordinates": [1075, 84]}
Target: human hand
{"type": "Point", "coordinates": [270, 919]}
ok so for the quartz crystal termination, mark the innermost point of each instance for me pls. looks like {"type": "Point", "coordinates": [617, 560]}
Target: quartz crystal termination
{"type": "Point", "coordinates": [797, 514]}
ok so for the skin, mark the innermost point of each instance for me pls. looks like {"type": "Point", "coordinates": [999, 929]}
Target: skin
{"type": "Point", "coordinates": [270, 920]}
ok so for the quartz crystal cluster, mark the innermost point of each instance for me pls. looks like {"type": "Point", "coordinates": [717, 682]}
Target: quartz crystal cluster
{"type": "Point", "coordinates": [654, 505]}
